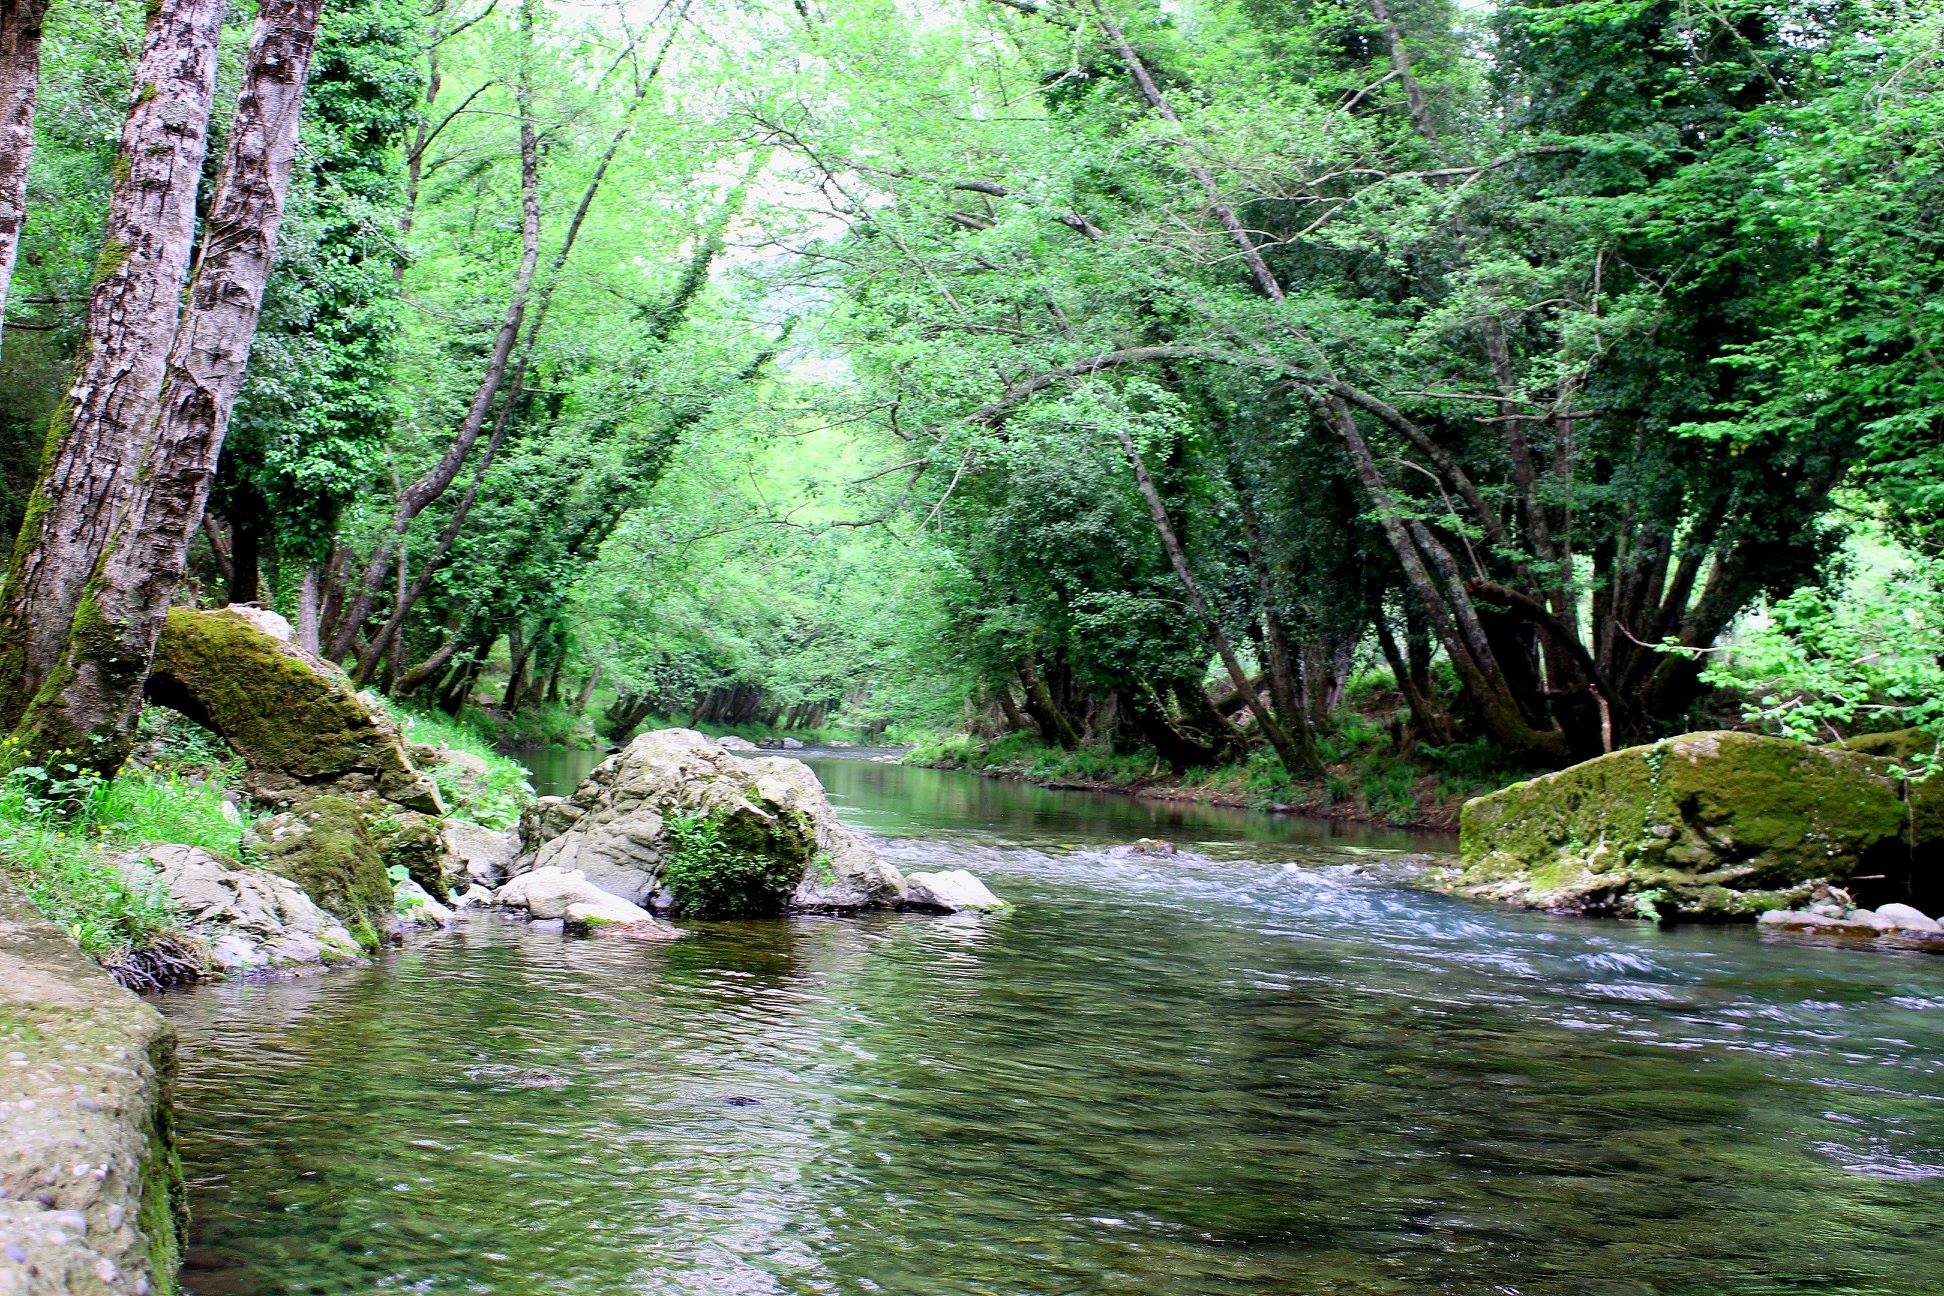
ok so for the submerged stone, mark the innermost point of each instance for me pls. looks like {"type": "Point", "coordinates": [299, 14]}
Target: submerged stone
{"type": "Point", "coordinates": [1718, 825]}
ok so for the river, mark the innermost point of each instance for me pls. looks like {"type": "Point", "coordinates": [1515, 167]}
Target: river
{"type": "Point", "coordinates": [1251, 1069]}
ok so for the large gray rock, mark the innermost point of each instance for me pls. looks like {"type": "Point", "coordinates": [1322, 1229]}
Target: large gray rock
{"type": "Point", "coordinates": [90, 1188]}
{"type": "Point", "coordinates": [769, 811]}
{"type": "Point", "coordinates": [480, 856]}
{"type": "Point", "coordinates": [247, 920]}
{"type": "Point", "coordinates": [566, 894]}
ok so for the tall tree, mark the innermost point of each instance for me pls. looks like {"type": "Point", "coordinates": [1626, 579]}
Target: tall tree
{"type": "Point", "coordinates": [20, 40]}
{"type": "Point", "coordinates": [100, 429]}
{"type": "Point", "coordinates": [89, 703]}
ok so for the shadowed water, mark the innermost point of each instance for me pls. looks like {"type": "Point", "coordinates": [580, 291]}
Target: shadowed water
{"type": "Point", "coordinates": [1252, 1069]}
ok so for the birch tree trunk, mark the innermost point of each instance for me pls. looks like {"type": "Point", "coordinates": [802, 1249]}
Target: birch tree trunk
{"type": "Point", "coordinates": [100, 428]}
{"type": "Point", "coordinates": [90, 702]}
{"type": "Point", "coordinates": [20, 38]}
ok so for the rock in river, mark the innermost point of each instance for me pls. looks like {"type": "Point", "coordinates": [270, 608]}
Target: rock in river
{"type": "Point", "coordinates": [248, 920]}
{"type": "Point", "coordinates": [949, 891]}
{"type": "Point", "coordinates": [568, 894]}
{"type": "Point", "coordinates": [675, 821]}
{"type": "Point", "coordinates": [1714, 825]}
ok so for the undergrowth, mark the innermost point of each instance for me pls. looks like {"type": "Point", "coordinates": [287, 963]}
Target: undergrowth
{"type": "Point", "coordinates": [1365, 775]}
{"type": "Point", "coordinates": [494, 801]}
{"type": "Point", "coordinates": [60, 828]}
{"type": "Point", "coordinates": [711, 876]}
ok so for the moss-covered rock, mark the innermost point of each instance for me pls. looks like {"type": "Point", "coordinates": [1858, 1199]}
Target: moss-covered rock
{"type": "Point", "coordinates": [1712, 826]}
{"type": "Point", "coordinates": [416, 843]}
{"type": "Point", "coordinates": [324, 848]}
{"type": "Point", "coordinates": [1899, 745]}
{"type": "Point", "coordinates": [296, 721]}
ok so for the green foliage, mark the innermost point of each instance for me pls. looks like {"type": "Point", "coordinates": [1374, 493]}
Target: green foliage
{"type": "Point", "coordinates": [60, 826]}
{"type": "Point", "coordinates": [713, 876]}
{"type": "Point", "coordinates": [1824, 666]}
{"type": "Point", "coordinates": [494, 802]}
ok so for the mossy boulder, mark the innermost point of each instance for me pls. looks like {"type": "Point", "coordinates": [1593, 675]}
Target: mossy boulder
{"type": "Point", "coordinates": [295, 720]}
{"type": "Point", "coordinates": [1711, 826]}
{"type": "Point", "coordinates": [675, 821]}
{"type": "Point", "coordinates": [324, 848]}
{"type": "Point", "coordinates": [1899, 745]}
{"type": "Point", "coordinates": [415, 842]}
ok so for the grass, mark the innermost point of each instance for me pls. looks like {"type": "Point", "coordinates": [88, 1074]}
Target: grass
{"type": "Point", "coordinates": [496, 801]}
{"type": "Point", "coordinates": [60, 831]}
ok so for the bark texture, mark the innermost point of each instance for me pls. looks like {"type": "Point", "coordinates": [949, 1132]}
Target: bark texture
{"type": "Point", "coordinates": [20, 38]}
{"type": "Point", "coordinates": [100, 429]}
{"type": "Point", "coordinates": [90, 702]}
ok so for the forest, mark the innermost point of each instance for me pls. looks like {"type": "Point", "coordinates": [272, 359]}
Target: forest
{"type": "Point", "coordinates": [1237, 384]}
{"type": "Point", "coordinates": [583, 572]}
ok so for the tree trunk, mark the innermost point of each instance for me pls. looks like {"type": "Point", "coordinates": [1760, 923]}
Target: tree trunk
{"type": "Point", "coordinates": [587, 690]}
{"type": "Point", "coordinates": [1015, 722]}
{"type": "Point", "coordinates": [1295, 759]}
{"type": "Point", "coordinates": [20, 39]}
{"type": "Point", "coordinates": [96, 693]}
{"type": "Point", "coordinates": [521, 649]}
{"type": "Point", "coordinates": [307, 611]}
{"type": "Point", "coordinates": [1053, 723]}
{"type": "Point", "coordinates": [100, 429]}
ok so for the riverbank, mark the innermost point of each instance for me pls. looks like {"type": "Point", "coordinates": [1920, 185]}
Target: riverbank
{"type": "Point", "coordinates": [90, 1184]}
{"type": "Point", "coordinates": [1367, 780]}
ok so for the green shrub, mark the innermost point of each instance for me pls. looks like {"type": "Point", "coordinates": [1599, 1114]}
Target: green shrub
{"type": "Point", "coordinates": [711, 876]}
{"type": "Point", "coordinates": [507, 789]}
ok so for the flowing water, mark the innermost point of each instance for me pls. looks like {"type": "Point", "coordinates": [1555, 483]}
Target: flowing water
{"type": "Point", "coordinates": [1255, 1068]}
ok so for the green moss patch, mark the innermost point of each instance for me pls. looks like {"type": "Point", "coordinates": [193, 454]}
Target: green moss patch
{"type": "Point", "coordinates": [325, 849]}
{"type": "Point", "coordinates": [1716, 825]}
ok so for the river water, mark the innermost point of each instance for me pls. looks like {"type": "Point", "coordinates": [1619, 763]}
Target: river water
{"type": "Point", "coordinates": [1252, 1069]}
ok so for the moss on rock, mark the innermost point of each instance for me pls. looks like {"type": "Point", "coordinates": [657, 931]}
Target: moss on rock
{"type": "Point", "coordinates": [414, 842]}
{"type": "Point", "coordinates": [296, 721]}
{"type": "Point", "coordinates": [1716, 826]}
{"type": "Point", "coordinates": [325, 849]}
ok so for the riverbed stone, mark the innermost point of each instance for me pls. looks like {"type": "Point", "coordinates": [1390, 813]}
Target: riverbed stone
{"type": "Point", "coordinates": [479, 856]}
{"type": "Point", "coordinates": [90, 1186]}
{"type": "Point", "coordinates": [1716, 825]}
{"type": "Point", "coordinates": [325, 849]}
{"type": "Point", "coordinates": [415, 909]}
{"type": "Point", "coordinates": [766, 819]}
{"type": "Point", "coordinates": [949, 891]}
{"type": "Point", "coordinates": [245, 920]}
{"type": "Point", "coordinates": [1905, 917]}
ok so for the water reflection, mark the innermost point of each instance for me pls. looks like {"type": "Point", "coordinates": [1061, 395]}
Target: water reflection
{"type": "Point", "coordinates": [1246, 1070]}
